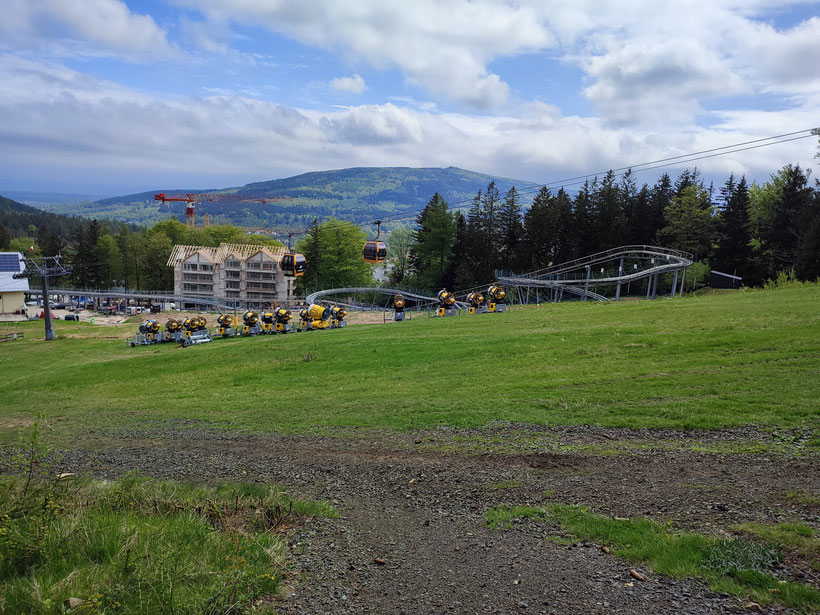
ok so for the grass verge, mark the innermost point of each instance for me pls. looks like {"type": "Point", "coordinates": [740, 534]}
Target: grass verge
{"type": "Point", "coordinates": [701, 362]}
{"type": "Point", "coordinates": [738, 566]}
{"type": "Point", "coordinates": [136, 545]}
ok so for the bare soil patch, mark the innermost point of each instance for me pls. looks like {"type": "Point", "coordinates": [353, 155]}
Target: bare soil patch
{"type": "Point", "coordinates": [411, 539]}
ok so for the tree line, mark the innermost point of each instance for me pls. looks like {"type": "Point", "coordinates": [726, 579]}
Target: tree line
{"type": "Point", "coordinates": [752, 231]}
{"type": "Point", "coordinates": [103, 255]}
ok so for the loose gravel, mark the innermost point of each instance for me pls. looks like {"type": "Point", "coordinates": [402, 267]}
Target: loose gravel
{"type": "Point", "coordinates": [411, 538]}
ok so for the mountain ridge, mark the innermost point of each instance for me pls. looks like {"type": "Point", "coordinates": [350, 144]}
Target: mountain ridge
{"type": "Point", "coordinates": [355, 194]}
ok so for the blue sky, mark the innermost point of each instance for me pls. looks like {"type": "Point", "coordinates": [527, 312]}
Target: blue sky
{"type": "Point", "coordinates": [107, 96]}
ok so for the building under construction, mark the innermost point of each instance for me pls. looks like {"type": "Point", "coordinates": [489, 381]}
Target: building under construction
{"type": "Point", "coordinates": [244, 273]}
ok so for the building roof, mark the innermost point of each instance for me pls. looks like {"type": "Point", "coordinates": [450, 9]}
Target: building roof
{"type": "Point", "coordinates": [11, 263]}
{"type": "Point", "coordinates": [219, 254]}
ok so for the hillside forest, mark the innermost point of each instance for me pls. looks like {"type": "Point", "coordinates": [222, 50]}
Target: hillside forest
{"type": "Point", "coordinates": [754, 231]}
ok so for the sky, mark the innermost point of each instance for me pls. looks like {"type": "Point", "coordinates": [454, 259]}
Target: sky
{"type": "Point", "coordinates": [113, 96]}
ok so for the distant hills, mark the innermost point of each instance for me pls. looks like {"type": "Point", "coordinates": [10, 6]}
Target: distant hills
{"type": "Point", "coordinates": [356, 194]}
{"type": "Point", "coordinates": [22, 220]}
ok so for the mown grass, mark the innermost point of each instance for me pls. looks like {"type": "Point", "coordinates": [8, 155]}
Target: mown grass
{"type": "Point", "coordinates": [702, 362]}
{"type": "Point", "coordinates": [141, 546]}
{"type": "Point", "coordinates": [736, 566]}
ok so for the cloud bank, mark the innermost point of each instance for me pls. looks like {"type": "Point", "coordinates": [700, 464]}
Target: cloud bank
{"type": "Point", "coordinates": [659, 80]}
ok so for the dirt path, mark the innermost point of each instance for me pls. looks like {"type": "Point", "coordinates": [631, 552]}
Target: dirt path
{"type": "Point", "coordinates": [419, 511]}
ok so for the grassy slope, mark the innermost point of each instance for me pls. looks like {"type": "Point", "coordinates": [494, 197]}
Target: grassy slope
{"type": "Point", "coordinates": [751, 357]}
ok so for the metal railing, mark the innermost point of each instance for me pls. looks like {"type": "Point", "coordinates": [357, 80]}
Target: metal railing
{"type": "Point", "coordinates": [608, 255]}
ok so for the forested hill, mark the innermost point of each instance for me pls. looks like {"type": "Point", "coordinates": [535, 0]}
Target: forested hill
{"type": "Point", "coordinates": [20, 220]}
{"type": "Point", "coordinates": [22, 225]}
{"type": "Point", "coordinates": [356, 194]}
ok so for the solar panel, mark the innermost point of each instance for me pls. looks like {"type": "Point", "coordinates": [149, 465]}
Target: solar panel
{"type": "Point", "coordinates": [9, 263]}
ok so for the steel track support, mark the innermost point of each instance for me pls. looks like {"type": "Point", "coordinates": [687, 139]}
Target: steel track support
{"type": "Point", "coordinates": [682, 282]}
{"type": "Point", "coordinates": [620, 275]}
{"type": "Point", "coordinates": [655, 287]}
{"type": "Point", "coordinates": [674, 284]}
{"type": "Point", "coordinates": [586, 285]}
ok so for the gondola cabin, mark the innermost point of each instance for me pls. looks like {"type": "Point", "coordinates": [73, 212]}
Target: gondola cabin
{"type": "Point", "coordinates": [374, 252]}
{"type": "Point", "coordinates": [293, 265]}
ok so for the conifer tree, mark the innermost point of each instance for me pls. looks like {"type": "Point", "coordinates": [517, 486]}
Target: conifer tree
{"type": "Point", "coordinates": [510, 230]}
{"type": "Point", "coordinates": [582, 221]}
{"type": "Point", "coordinates": [733, 253]}
{"type": "Point", "coordinates": [659, 200]}
{"type": "Point", "coordinates": [640, 228]}
{"type": "Point", "coordinates": [491, 231]}
{"type": "Point", "coordinates": [688, 222]}
{"type": "Point", "coordinates": [537, 244]}
{"type": "Point", "coordinates": [608, 222]}
{"type": "Point", "coordinates": [434, 238]}
{"type": "Point", "coordinates": [792, 217]}
{"type": "Point", "coordinates": [562, 252]}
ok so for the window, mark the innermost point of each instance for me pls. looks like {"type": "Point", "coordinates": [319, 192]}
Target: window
{"type": "Point", "coordinates": [232, 274]}
{"type": "Point", "coordinates": [206, 267]}
{"type": "Point", "coordinates": [259, 276]}
{"type": "Point", "coordinates": [254, 264]}
{"type": "Point", "coordinates": [198, 277]}
{"type": "Point", "coordinates": [231, 284]}
{"type": "Point", "coordinates": [232, 264]}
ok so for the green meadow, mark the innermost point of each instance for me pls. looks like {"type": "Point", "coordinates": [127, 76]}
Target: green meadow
{"type": "Point", "coordinates": [710, 361]}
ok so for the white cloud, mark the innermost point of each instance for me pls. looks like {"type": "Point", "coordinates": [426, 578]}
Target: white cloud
{"type": "Point", "coordinates": [657, 84]}
{"type": "Point", "coordinates": [88, 27]}
{"type": "Point", "coordinates": [651, 70]}
{"type": "Point", "coordinates": [58, 124]}
{"type": "Point", "coordinates": [645, 63]}
{"type": "Point", "coordinates": [354, 84]}
{"type": "Point", "coordinates": [659, 64]}
{"type": "Point", "coordinates": [443, 47]}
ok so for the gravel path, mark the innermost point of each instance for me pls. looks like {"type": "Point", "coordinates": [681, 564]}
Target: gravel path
{"type": "Point", "coordinates": [410, 537]}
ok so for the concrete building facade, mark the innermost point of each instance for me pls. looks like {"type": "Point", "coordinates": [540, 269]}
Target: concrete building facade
{"type": "Point", "coordinates": [245, 273]}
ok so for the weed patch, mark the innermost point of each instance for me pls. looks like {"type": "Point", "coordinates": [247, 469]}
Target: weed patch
{"type": "Point", "coordinates": [795, 537]}
{"type": "Point", "coordinates": [739, 567]}
{"type": "Point", "coordinates": [137, 545]}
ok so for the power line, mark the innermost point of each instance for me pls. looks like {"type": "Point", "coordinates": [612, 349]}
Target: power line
{"type": "Point", "coordinates": [653, 164]}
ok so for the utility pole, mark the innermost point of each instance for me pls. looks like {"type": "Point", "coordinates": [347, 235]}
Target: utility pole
{"type": "Point", "coordinates": [44, 267]}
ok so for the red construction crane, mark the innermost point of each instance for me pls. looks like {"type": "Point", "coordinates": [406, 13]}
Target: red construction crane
{"type": "Point", "coordinates": [215, 197]}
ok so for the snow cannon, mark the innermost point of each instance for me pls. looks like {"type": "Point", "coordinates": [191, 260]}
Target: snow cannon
{"type": "Point", "coordinates": [251, 326]}
{"type": "Point", "coordinates": [227, 325]}
{"type": "Point", "coordinates": [337, 316]}
{"type": "Point", "coordinates": [399, 304]}
{"type": "Point", "coordinates": [476, 303]}
{"type": "Point", "coordinates": [173, 331]}
{"type": "Point", "coordinates": [148, 333]}
{"type": "Point", "coordinates": [283, 318]}
{"type": "Point", "coordinates": [196, 331]}
{"type": "Point", "coordinates": [315, 316]}
{"type": "Point", "coordinates": [496, 295]}
{"type": "Point", "coordinates": [446, 303]}
{"type": "Point", "coordinates": [268, 319]}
